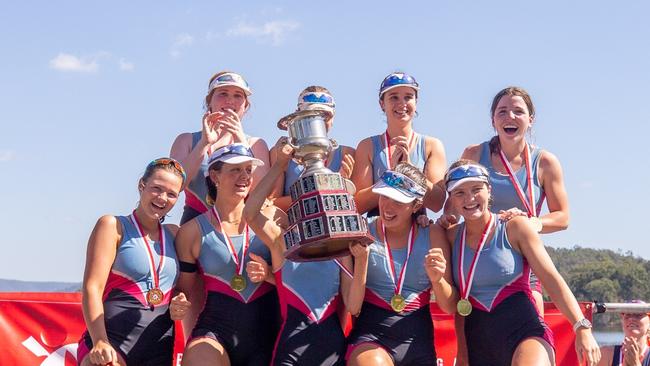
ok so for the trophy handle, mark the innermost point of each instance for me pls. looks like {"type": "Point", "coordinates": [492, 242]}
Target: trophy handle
{"type": "Point", "coordinates": [295, 147]}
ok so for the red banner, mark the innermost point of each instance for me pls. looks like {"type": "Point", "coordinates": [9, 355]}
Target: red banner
{"type": "Point", "coordinates": [44, 328]}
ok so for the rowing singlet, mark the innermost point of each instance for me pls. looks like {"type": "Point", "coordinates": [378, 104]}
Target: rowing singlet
{"type": "Point", "coordinates": [311, 333]}
{"type": "Point", "coordinates": [379, 285]}
{"type": "Point", "coordinates": [504, 195]}
{"type": "Point", "coordinates": [142, 333]}
{"type": "Point", "coordinates": [196, 190]}
{"type": "Point", "coordinates": [503, 312]}
{"type": "Point", "coordinates": [407, 336]}
{"type": "Point", "coordinates": [245, 323]}
{"type": "Point", "coordinates": [417, 155]}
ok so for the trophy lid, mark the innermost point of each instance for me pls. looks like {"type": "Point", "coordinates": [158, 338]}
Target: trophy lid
{"type": "Point", "coordinates": [285, 121]}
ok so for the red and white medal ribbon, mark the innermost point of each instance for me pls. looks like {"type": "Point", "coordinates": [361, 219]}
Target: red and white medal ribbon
{"type": "Point", "coordinates": [345, 270]}
{"type": "Point", "coordinates": [387, 147]}
{"type": "Point", "coordinates": [389, 258]}
{"type": "Point", "coordinates": [239, 262]}
{"type": "Point", "coordinates": [466, 285]}
{"type": "Point", "coordinates": [529, 203]}
{"type": "Point", "coordinates": [161, 263]}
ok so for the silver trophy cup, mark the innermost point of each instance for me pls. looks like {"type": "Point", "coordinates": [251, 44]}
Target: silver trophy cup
{"type": "Point", "coordinates": [323, 217]}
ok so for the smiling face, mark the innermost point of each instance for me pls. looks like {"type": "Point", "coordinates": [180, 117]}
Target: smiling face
{"type": "Point", "coordinates": [511, 118]}
{"type": "Point", "coordinates": [635, 325]}
{"type": "Point", "coordinates": [396, 214]}
{"type": "Point", "coordinates": [470, 199]}
{"type": "Point", "coordinates": [399, 104]}
{"type": "Point", "coordinates": [229, 97]}
{"type": "Point", "coordinates": [233, 180]}
{"type": "Point", "coordinates": [159, 193]}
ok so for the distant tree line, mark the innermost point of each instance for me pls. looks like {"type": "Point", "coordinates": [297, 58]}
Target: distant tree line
{"type": "Point", "coordinates": [603, 275]}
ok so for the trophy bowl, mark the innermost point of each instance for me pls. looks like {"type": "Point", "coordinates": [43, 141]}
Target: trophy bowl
{"type": "Point", "coordinates": [307, 132]}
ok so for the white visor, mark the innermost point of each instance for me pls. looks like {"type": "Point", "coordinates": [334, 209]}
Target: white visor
{"type": "Point", "coordinates": [453, 184]}
{"type": "Point", "coordinates": [395, 194]}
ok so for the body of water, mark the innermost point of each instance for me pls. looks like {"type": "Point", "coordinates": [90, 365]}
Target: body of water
{"type": "Point", "coordinates": [605, 338]}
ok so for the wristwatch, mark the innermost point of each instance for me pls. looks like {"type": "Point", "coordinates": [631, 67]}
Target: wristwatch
{"type": "Point", "coordinates": [582, 323]}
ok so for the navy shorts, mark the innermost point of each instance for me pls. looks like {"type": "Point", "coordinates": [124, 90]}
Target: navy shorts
{"type": "Point", "coordinates": [407, 337]}
{"type": "Point", "coordinates": [246, 331]}
{"type": "Point", "coordinates": [142, 336]}
{"type": "Point", "coordinates": [492, 337]}
{"type": "Point", "coordinates": [305, 342]}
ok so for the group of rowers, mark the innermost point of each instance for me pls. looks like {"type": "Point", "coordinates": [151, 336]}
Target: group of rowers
{"type": "Point", "coordinates": [223, 272]}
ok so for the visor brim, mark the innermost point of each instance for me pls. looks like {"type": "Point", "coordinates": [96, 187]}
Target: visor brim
{"type": "Point", "coordinates": [454, 184]}
{"type": "Point", "coordinates": [395, 194]}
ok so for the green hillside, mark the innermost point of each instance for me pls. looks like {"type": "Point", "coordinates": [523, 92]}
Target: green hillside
{"type": "Point", "coordinates": [603, 275]}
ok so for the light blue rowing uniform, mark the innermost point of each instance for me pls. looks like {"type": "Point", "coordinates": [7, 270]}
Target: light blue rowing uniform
{"type": "Point", "coordinates": [503, 312]}
{"type": "Point", "coordinates": [244, 322]}
{"type": "Point", "coordinates": [500, 271]}
{"type": "Point", "coordinates": [380, 288]}
{"type": "Point", "coordinates": [140, 331]}
{"type": "Point", "coordinates": [311, 334]}
{"type": "Point", "coordinates": [504, 194]}
{"type": "Point", "coordinates": [418, 155]}
{"type": "Point", "coordinates": [406, 335]}
{"type": "Point", "coordinates": [218, 266]}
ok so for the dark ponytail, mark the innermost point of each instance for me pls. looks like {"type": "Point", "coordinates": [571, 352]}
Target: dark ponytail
{"type": "Point", "coordinates": [211, 197]}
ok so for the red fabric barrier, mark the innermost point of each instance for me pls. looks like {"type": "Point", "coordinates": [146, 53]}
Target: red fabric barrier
{"type": "Point", "coordinates": [44, 328]}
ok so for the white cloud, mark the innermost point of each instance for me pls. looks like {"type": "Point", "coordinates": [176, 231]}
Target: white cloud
{"type": "Point", "coordinates": [126, 65]}
{"type": "Point", "coordinates": [181, 41]}
{"type": "Point", "coordinates": [70, 63]}
{"type": "Point", "coordinates": [7, 155]}
{"type": "Point", "coordinates": [274, 32]}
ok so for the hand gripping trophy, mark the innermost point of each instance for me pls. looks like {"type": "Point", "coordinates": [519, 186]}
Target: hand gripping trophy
{"type": "Point", "coordinates": [323, 218]}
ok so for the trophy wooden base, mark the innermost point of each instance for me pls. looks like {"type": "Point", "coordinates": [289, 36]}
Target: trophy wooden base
{"type": "Point", "coordinates": [326, 248]}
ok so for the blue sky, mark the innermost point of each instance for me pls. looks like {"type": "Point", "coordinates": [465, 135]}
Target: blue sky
{"type": "Point", "coordinates": [90, 92]}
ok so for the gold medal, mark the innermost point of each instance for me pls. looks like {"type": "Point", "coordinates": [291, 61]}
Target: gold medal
{"type": "Point", "coordinates": [464, 307]}
{"type": "Point", "coordinates": [238, 283]}
{"type": "Point", "coordinates": [398, 303]}
{"type": "Point", "coordinates": [536, 223]}
{"type": "Point", "coordinates": [155, 296]}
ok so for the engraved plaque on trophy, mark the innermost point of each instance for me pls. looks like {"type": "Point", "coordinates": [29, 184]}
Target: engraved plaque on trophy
{"type": "Point", "coordinates": [323, 218]}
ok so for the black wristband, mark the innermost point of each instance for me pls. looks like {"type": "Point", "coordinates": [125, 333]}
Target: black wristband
{"type": "Point", "coordinates": [187, 267]}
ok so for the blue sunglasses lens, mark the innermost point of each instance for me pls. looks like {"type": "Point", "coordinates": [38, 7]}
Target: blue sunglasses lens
{"type": "Point", "coordinates": [240, 150]}
{"type": "Point", "coordinates": [465, 171]}
{"type": "Point", "coordinates": [401, 182]}
{"type": "Point", "coordinates": [392, 180]}
{"type": "Point", "coordinates": [230, 78]}
{"type": "Point", "coordinates": [398, 79]}
{"type": "Point", "coordinates": [313, 98]}
{"type": "Point", "coordinates": [226, 78]}
{"type": "Point", "coordinates": [231, 150]}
